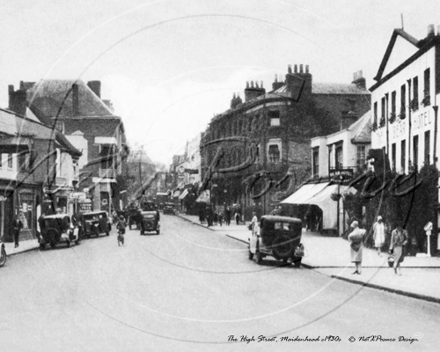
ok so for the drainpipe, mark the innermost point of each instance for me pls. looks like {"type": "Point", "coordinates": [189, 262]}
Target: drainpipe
{"type": "Point", "coordinates": [409, 123]}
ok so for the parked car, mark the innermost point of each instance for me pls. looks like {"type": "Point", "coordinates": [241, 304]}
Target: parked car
{"type": "Point", "coordinates": [168, 208]}
{"type": "Point", "coordinates": [279, 237]}
{"type": "Point", "coordinates": [2, 254]}
{"type": "Point", "coordinates": [150, 222]}
{"type": "Point", "coordinates": [58, 229]}
{"type": "Point", "coordinates": [96, 223]}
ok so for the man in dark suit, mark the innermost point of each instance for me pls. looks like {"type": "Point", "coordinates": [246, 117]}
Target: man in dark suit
{"type": "Point", "coordinates": [17, 225]}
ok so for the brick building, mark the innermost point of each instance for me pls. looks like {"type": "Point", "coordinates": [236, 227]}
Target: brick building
{"type": "Point", "coordinates": [277, 127]}
{"type": "Point", "coordinates": [77, 110]}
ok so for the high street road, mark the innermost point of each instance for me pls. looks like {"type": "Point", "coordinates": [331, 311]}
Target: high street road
{"type": "Point", "coordinates": [191, 289]}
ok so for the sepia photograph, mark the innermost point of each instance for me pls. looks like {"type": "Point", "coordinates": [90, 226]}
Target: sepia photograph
{"type": "Point", "coordinates": [229, 175]}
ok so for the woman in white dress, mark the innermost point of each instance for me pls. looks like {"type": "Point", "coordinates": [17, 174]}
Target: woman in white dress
{"type": "Point", "coordinates": [379, 234]}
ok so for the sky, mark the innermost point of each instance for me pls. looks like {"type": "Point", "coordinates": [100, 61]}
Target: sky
{"type": "Point", "coordinates": [169, 66]}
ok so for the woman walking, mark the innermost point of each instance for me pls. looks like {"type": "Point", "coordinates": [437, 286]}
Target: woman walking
{"type": "Point", "coordinates": [355, 239]}
{"type": "Point", "coordinates": [399, 238]}
{"type": "Point", "coordinates": [379, 234]}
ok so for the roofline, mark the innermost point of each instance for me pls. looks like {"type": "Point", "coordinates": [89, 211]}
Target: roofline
{"type": "Point", "coordinates": [424, 45]}
{"type": "Point", "coordinates": [396, 32]}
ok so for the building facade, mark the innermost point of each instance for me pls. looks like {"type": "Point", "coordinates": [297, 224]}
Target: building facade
{"type": "Point", "coordinates": [405, 110]}
{"type": "Point", "coordinates": [38, 172]}
{"type": "Point", "coordinates": [77, 110]}
{"type": "Point", "coordinates": [266, 139]}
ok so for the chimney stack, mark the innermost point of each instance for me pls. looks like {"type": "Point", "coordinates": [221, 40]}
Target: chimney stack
{"type": "Point", "coordinates": [359, 80]}
{"type": "Point", "coordinates": [95, 86]}
{"type": "Point", "coordinates": [17, 100]}
{"type": "Point", "coordinates": [75, 99]}
{"type": "Point", "coordinates": [289, 68]}
{"type": "Point", "coordinates": [253, 92]}
{"type": "Point", "coordinates": [299, 83]}
{"type": "Point", "coordinates": [277, 84]}
{"type": "Point", "coordinates": [431, 31]}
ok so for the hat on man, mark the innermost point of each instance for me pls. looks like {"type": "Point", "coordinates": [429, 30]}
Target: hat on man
{"type": "Point", "coordinates": [379, 218]}
{"type": "Point", "coordinates": [354, 224]}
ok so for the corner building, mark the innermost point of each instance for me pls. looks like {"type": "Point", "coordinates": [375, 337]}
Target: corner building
{"type": "Point", "coordinates": [279, 124]}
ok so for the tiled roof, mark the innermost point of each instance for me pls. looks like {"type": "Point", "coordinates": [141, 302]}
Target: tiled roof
{"type": "Point", "coordinates": [51, 98]}
{"type": "Point", "coordinates": [337, 88]}
{"type": "Point", "coordinates": [362, 129]}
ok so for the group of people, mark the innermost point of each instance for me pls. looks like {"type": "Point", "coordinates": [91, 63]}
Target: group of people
{"type": "Point", "coordinates": [210, 216]}
{"type": "Point", "coordinates": [399, 238]}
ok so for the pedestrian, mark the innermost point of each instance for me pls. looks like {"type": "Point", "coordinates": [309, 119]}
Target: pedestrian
{"type": "Point", "coordinates": [379, 234]}
{"type": "Point", "coordinates": [220, 218]}
{"type": "Point", "coordinates": [227, 216]}
{"type": "Point", "coordinates": [254, 222]}
{"type": "Point", "coordinates": [17, 225]}
{"type": "Point", "coordinates": [121, 230]}
{"type": "Point", "coordinates": [355, 239]}
{"type": "Point", "coordinates": [237, 217]}
{"type": "Point", "coordinates": [399, 238]}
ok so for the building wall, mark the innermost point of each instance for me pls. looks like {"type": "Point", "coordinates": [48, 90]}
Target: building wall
{"type": "Point", "coordinates": [415, 123]}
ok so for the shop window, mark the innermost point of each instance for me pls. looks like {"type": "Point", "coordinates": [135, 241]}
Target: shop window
{"type": "Point", "coordinates": [415, 101]}
{"type": "Point", "coordinates": [375, 113]}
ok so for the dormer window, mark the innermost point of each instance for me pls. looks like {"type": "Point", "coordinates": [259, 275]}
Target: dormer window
{"type": "Point", "coordinates": [274, 118]}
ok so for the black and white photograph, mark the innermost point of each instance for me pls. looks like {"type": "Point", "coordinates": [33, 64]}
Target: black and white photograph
{"type": "Point", "coordinates": [229, 175]}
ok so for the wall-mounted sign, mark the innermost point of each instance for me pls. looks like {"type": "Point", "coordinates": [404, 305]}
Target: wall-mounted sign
{"type": "Point", "coordinates": [3, 199]}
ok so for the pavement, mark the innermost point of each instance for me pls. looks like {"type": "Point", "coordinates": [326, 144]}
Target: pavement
{"type": "Point", "coordinates": [331, 256]}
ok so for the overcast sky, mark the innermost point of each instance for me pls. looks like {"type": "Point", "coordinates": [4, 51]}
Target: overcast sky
{"type": "Point", "coordinates": [169, 65]}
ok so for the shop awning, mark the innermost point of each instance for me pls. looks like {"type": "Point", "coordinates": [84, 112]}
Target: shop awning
{"type": "Point", "coordinates": [320, 195]}
{"type": "Point", "coordinates": [305, 192]}
{"type": "Point", "coordinates": [184, 194]}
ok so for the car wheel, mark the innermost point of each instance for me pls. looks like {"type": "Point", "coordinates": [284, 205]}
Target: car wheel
{"type": "Point", "coordinates": [53, 244]}
{"type": "Point", "coordinates": [258, 257]}
{"type": "Point", "coordinates": [78, 241]}
{"type": "Point", "coordinates": [142, 233]}
{"type": "Point", "coordinates": [251, 255]}
{"type": "Point", "coordinates": [297, 262]}
{"type": "Point", "coordinates": [68, 243]}
{"type": "Point", "coordinates": [107, 233]}
{"type": "Point", "coordinates": [2, 257]}
{"type": "Point", "coordinates": [158, 232]}
{"type": "Point", "coordinates": [42, 246]}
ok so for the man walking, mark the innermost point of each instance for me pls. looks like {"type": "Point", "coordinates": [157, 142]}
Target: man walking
{"type": "Point", "coordinates": [17, 225]}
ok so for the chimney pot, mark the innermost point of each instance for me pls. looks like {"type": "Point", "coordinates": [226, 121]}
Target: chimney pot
{"type": "Point", "coordinates": [307, 68]}
{"type": "Point", "coordinates": [261, 84]}
{"type": "Point", "coordinates": [431, 30]}
{"type": "Point", "coordinates": [301, 68]}
{"type": "Point", "coordinates": [289, 69]}
{"type": "Point", "coordinates": [296, 69]}
{"type": "Point", "coordinates": [276, 78]}
{"type": "Point", "coordinates": [11, 88]}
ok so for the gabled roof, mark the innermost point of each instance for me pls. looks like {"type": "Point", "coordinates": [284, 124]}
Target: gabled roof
{"type": "Point", "coordinates": [54, 98]}
{"type": "Point", "coordinates": [361, 129]}
{"type": "Point", "coordinates": [397, 32]}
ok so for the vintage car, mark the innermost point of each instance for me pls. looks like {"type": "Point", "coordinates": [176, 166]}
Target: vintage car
{"type": "Point", "coordinates": [168, 208]}
{"type": "Point", "coordinates": [95, 223]}
{"type": "Point", "coordinates": [2, 254]}
{"type": "Point", "coordinates": [150, 221]}
{"type": "Point", "coordinates": [279, 237]}
{"type": "Point", "coordinates": [57, 229]}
